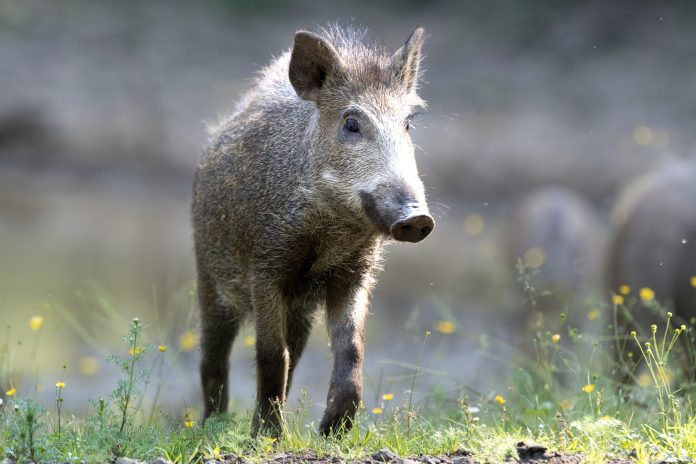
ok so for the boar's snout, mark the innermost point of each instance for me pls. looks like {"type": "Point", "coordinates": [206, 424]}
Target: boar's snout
{"type": "Point", "coordinates": [398, 215]}
{"type": "Point", "coordinates": [413, 229]}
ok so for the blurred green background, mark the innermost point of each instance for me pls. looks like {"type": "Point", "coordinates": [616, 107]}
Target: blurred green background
{"type": "Point", "coordinates": [103, 107]}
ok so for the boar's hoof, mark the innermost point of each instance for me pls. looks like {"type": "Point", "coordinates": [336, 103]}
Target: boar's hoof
{"type": "Point", "coordinates": [336, 424]}
{"type": "Point", "coordinates": [338, 417]}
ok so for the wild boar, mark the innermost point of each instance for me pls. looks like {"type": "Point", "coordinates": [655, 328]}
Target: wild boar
{"type": "Point", "coordinates": [653, 243]}
{"type": "Point", "coordinates": [558, 236]}
{"type": "Point", "coordinates": [294, 196]}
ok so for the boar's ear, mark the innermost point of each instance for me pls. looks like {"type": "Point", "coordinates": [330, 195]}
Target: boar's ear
{"type": "Point", "coordinates": [313, 59]}
{"type": "Point", "coordinates": [406, 60]}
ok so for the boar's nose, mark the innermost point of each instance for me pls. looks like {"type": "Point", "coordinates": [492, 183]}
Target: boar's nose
{"type": "Point", "coordinates": [413, 228]}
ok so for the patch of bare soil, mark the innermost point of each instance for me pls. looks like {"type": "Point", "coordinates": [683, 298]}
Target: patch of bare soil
{"type": "Point", "coordinates": [526, 454]}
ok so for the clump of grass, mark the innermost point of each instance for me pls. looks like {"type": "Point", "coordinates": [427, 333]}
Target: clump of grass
{"type": "Point", "coordinates": [60, 385]}
{"type": "Point", "coordinates": [124, 396]}
{"type": "Point", "coordinates": [26, 424]}
{"type": "Point", "coordinates": [525, 275]}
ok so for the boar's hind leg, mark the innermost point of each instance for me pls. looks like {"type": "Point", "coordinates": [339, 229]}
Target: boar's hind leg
{"type": "Point", "coordinates": [219, 328]}
{"type": "Point", "coordinates": [272, 361]}
{"type": "Point", "coordinates": [346, 307]}
{"type": "Point", "coordinates": [299, 327]}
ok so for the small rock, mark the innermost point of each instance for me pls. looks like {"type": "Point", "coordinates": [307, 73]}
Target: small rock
{"type": "Point", "coordinates": [408, 461]}
{"type": "Point", "coordinates": [462, 460]}
{"type": "Point", "coordinates": [429, 460]}
{"type": "Point", "coordinates": [673, 460]}
{"type": "Point", "coordinates": [127, 461]}
{"type": "Point", "coordinates": [525, 451]}
{"type": "Point", "coordinates": [161, 461]}
{"type": "Point", "coordinates": [212, 461]}
{"type": "Point", "coordinates": [461, 452]}
{"type": "Point", "coordinates": [384, 455]}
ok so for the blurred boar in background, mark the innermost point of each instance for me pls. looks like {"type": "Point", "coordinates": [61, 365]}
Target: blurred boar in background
{"type": "Point", "coordinates": [293, 199]}
{"type": "Point", "coordinates": [556, 235]}
{"type": "Point", "coordinates": [653, 245]}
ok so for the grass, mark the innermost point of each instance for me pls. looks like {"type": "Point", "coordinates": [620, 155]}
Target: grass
{"type": "Point", "coordinates": [571, 395]}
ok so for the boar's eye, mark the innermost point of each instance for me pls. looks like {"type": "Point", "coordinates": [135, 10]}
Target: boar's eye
{"type": "Point", "coordinates": [409, 118]}
{"type": "Point", "coordinates": [352, 125]}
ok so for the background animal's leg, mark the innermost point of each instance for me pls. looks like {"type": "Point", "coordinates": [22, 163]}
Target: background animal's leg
{"type": "Point", "coordinates": [346, 310]}
{"type": "Point", "coordinates": [219, 327]}
{"type": "Point", "coordinates": [299, 328]}
{"type": "Point", "coordinates": [272, 360]}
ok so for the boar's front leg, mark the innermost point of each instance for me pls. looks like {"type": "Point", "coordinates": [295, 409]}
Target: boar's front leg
{"type": "Point", "coordinates": [346, 306]}
{"type": "Point", "coordinates": [272, 360]}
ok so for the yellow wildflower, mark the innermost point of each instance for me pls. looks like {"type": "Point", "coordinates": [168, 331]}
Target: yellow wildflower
{"type": "Point", "coordinates": [617, 299]}
{"type": "Point", "coordinates": [693, 281]}
{"type": "Point", "coordinates": [36, 322]}
{"type": "Point", "coordinates": [593, 315]}
{"type": "Point", "coordinates": [89, 365]}
{"type": "Point", "coordinates": [643, 135]}
{"type": "Point", "coordinates": [499, 399]}
{"type": "Point", "coordinates": [388, 396]}
{"type": "Point", "coordinates": [589, 388]}
{"type": "Point", "coordinates": [60, 384]}
{"type": "Point", "coordinates": [534, 258]}
{"type": "Point", "coordinates": [624, 290]}
{"type": "Point", "coordinates": [11, 392]}
{"type": "Point", "coordinates": [473, 224]}
{"type": "Point", "coordinates": [644, 380]}
{"type": "Point", "coordinates": [189, 424]}
{"type": "Point", "coordinates": [556, 338]}
{"type": "Point", "coordinates": [444, 327]}
{"type": "Point", "coordinates": [162, 348]}
{"type": "Point", "coordinates": [268, 444]}
{"type": "Point", "coordinates": [249, 341]}
{"type": "Point", "coordinates": [646, 294]}
{"type": "Point", "coordinates": [187, 341]}
{"type": "Point", "coordinates": [134, 351]}
{"type": "Point", "coordinates": [665, 376]}
{"type": "Point", "coordinates": [377, 411]}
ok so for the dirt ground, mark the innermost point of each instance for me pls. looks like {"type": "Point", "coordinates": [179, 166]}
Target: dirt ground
{"type": "Point", "coordinates": [528, 454]}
